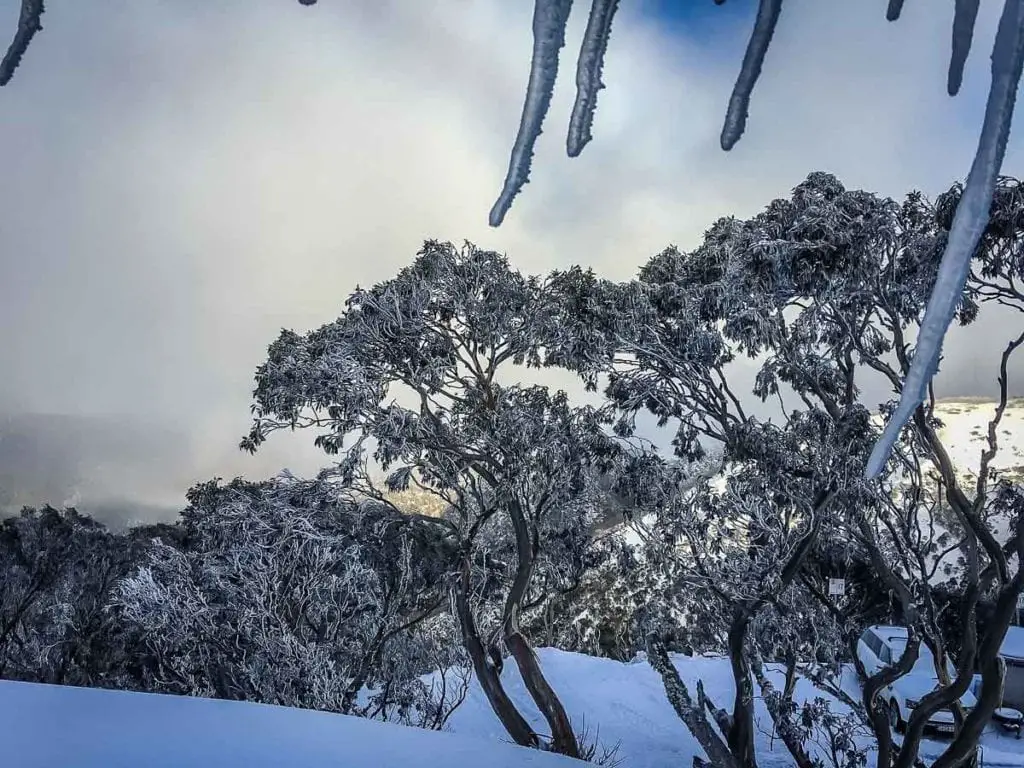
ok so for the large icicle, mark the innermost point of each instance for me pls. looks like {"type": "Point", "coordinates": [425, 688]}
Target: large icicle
{"type": "Point", "coordinates": [892, 13]}
{"type": "Point", "coordinates": [739, 103]}
{"type": "Point", "coordinates": [28, 24]}
{"type": "Point", "coordinates": [549, 20]}
{"type": "Point", "coordinates": [969, 222]}
{"type": "Point", "coordinates": [588, 74]}
{"type": "Point", "coordinates": [964, 17]}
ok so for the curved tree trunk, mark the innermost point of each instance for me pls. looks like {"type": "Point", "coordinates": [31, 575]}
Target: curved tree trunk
{"type": "Point", "coordinates": [490, 678]}
{"type": "Point", "coordinates": [780, 707]}
{"type": "Point", "coordinates": [563, 739]}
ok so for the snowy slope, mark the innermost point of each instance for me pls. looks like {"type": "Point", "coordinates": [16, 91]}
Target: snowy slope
{"type": "Point", "coordinates": [621, 704]}
{"type": "Point", "coordinates": [46, 726]}
{"type": "Point", "coordinates": [965, 434]}
{"type": "Point", "coordinates": [625, 705]}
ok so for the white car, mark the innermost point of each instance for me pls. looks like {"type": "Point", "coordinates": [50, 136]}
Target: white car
{"type": "Point", "coordinates": [881, 647]}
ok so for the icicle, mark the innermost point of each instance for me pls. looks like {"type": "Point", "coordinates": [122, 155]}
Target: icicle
{"type": "Point", "coordinates": [28, 24]}
{"type": "Point", "coordinates": [894, 10]}
{"type": "Point", "coordinates": [969, 222]}
{"type": "Point", "coordinates": [750, 70]}
{"type": "Point", "coordinates": [964, 17]}
{"type": "Point", "coordinates": [549, 20]}
{"type": "Point", "coordinates": [588, 74]}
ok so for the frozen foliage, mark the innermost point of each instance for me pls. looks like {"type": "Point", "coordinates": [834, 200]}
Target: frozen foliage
{"type": "Point", "coordinates": [286, 594]}
{"type": "Point", "coordinates": [57, 570]}
{"type": "Point", "coordinates": [819, 292]}
{"type": "Point", "coordinates": [415, 367]}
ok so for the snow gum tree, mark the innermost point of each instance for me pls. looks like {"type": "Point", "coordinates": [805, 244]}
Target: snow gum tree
{"type": "Point", "coordinates": [411, 378]}
{"type": "Point", "coordinates": [819, 294]}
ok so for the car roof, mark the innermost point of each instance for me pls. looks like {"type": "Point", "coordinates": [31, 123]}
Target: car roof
{"type": "Point", "coordinates": [1013, 643]}
{"type": "Point", "coordinates": [889, 633]}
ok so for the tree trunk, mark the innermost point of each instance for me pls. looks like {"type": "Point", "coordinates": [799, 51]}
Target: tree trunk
{"type": "Point", "coordinates": [691, 713]}
{"type": "Point", "coordinates": [741, 735]}
{"type": "Point", "coordinates": [490, 680]}
{"type": "Point", "coordinates": [780, 707]}
{"type": "Point", "coordinates": [563, 739]}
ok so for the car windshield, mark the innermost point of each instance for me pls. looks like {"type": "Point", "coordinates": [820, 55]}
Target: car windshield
{"type": "Point", "coordinates": [925, 664]}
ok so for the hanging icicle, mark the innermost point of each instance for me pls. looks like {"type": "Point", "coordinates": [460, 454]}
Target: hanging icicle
{"type": "Point", "coordinates": [588, 73]}
{"type": "Point", "coordinates": [969, 222]}
{"type": "Point", "coordinates": [549, 20]}
{"type": "Point", "coordinates": [739, 103]}
{"type": "Point", "coordinates": [894, 10]}
{"type": "Point", "coordinates": [965, 15]}
{"type": "Point", "coordinates": [29, 22]}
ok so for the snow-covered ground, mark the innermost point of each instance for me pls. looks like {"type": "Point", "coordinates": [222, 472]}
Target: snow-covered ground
{"type": "Point", "coordinates": [965, 434]}
{"type": "Point", "coordinates": [47, 726]}
{"type": "Point", "coordinates": [624, 704]}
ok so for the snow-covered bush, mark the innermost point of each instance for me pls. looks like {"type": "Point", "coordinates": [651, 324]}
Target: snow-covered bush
{"type": "Point", "coordinates": [57, 569]}
{"type": "Point", "coordinates": [281, 592]}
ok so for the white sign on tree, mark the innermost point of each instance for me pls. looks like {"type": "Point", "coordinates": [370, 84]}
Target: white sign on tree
{"type": "Point", "coordinates": [836, 587]}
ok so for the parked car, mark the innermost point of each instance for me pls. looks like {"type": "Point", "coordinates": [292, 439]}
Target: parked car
{"type": "Point", "coordinates": [881, 647]}
{"type": "Point", "coordinates": [1012, 651]}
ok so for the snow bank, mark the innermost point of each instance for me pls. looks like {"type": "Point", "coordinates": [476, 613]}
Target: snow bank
{"type": "Point", "coordinates": [620, 704]}
{"type": "Point", "coordinates": [48, 726]}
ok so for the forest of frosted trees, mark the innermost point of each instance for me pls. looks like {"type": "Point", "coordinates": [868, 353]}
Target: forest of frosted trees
{"type": "Point", "coordinates": [327, 593]}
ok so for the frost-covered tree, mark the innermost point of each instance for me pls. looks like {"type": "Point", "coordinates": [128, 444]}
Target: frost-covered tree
{"type": "Point", "coordinates": [57, 571]}
{"type": "Point", "coordinates": [820, 292]}
{"type": "Point", "coordinates": [549, 24]}
{"type": "Point", "coordinates": [411, 380]}
{"type": "Point", "coordinates": [283, 592]}
{"type": "Point", "coordinates": [597, 614]}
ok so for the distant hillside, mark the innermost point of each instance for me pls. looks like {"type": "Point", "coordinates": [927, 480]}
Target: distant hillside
{"type": "Point", "coordinates": [965, 434]}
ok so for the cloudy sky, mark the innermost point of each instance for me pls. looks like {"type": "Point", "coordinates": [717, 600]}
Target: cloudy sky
{"type": "Point", "coordinates": [181, 179]}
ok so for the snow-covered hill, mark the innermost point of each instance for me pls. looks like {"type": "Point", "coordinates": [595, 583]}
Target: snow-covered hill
{"type": "Point", "coordinates": [965, 434]}
{"type": "Point", "coordinates": [620, 704]}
